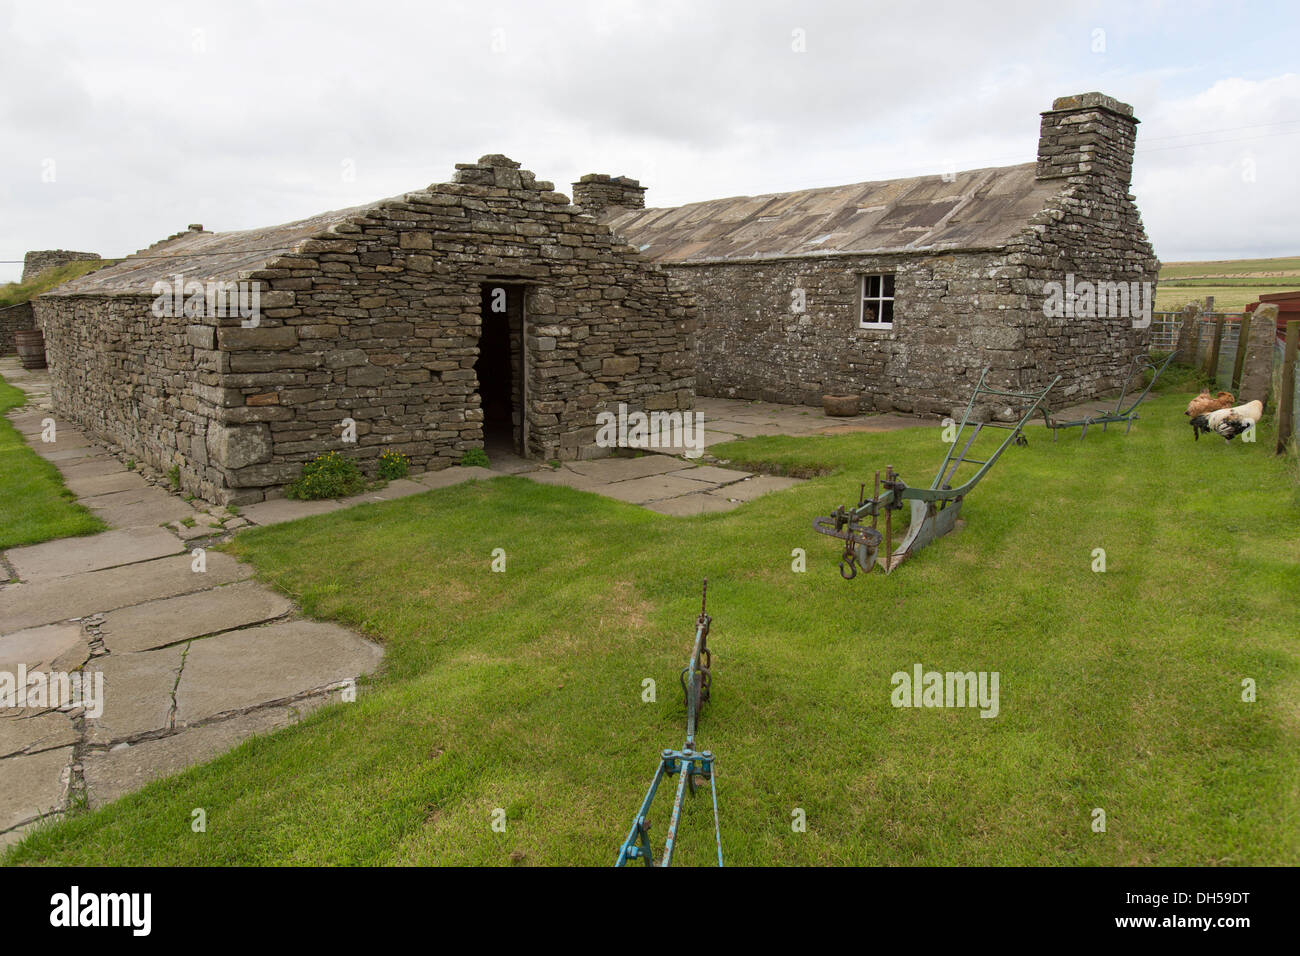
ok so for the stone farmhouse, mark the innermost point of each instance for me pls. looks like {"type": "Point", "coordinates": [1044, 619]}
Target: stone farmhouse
{"type": "Point", "coordinates": [487, 310]}
{"type": "Point", "coordinates": [903, 291]}
{"type": "Point", "coordinates": [491, 312]}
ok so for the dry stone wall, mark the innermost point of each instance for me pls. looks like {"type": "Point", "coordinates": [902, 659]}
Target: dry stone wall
{"type": "Point", "coordinates": [129, 377]}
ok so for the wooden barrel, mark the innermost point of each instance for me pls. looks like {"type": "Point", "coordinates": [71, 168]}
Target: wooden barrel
{"type": "Point", "coordinates": [31, 348]}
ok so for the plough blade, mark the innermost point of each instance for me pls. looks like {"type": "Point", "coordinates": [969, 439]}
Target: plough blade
{"type": "Point", "coordinates": [929, 521]}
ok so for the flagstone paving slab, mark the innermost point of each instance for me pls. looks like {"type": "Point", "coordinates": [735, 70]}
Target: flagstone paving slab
{"type": "Point", "coordinates": [751, 488]}
{"type": "Point", "coordinates": [400, 488]}
{"type": "Point", "coordinates": [242, 669]}
{"type": "Point", "coordinates": [57, 646]}
{"type": "Point", "coordinates": [28, 605]}
{"type": "Point", "coordinates": [31, 732]}
{"type": "Point", "coordinates": [111, 774]}
{"type": "Point", "coordinates": [66, 453]}
{"type": "Point", "coordinates": [92, 468]}
{"type": "Point", "coordinates": [57, 559]}
{"type": "Point", "coordinates": [641, 490]}
{"type": "Point", "coordinates": [569, 479]}
{"type": "Point", "coordinates": [144, 507]}
{"type": "Point", "coordinates": [279, 510]}
{"type": "Point", "coordinates": [446, 477]}
{"type": "Point", "coordinates": [10, 837]}
{"type": "Point", "coordinates": [624, 469]}
{"type": "Point", "coordinates": [137, 694]}
{"type": "Point", "coordinates": [65, 439]}
{"type": "Point", "coordinates": [156, 624]}
{"type": "Point", "coordinates": [698, 503]}
{"type": "Point", "coordinates": [33, 785]}
{"type": "Point", "coordinates": [104, 484]}
{"type": "Point", "coordinates": [712, 473]}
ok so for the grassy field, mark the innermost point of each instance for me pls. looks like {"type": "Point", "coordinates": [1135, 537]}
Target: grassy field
{"type": "Point", "coordinates": [1234, 283]}
{"type": "Point", "coordinates": [522, 690]}
{"type": "Point", "coordinates": [34, 504]}
{"type": "Point", "coordinates": [12, 293]}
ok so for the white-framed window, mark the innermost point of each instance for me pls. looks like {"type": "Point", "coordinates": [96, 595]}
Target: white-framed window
{"type": "Point", "coordinates": [877, 305]}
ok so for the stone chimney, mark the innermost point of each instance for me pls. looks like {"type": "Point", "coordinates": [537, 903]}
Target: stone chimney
{"type": "Point", "coordinates": [596, 192]}
{"type": "Point", "coordinates": [1088, 134]}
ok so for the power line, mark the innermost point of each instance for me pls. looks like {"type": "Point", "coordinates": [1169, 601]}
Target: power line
{"type": "Point", "coordinates": [174, 255]}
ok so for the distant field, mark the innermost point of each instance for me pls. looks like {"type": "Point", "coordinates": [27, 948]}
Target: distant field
{"type": "Point", "coordinates": [1234, 283]}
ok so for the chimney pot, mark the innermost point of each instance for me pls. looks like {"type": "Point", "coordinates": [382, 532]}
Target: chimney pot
{"type": "Point", "coordinates": [595, 193]}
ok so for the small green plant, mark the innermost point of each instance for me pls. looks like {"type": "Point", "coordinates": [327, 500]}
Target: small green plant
{"type": "Point", "coordinates": [174, 477]}
{"type": "Point", "coordinates": [393, 465]}
{"type": "Point", "coordinates": [189, 522]}
{"type": "Point", "coordinates": [130, 464]}
{"type": "Point", "coordinates": [326, 476]}
{"type": "Point", "coordinates": [232, 510]}
{"type": "Point", "coordinates": [475, 457]}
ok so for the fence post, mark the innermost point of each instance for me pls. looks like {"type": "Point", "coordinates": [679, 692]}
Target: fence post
{"type": "Point", "coordinates": [1286, 400]}
{"type": "Point", "coordinates": [1189, 332]}
{"type": "Point", "coordinates": [1212, 359]}
{"type": "Point", "coordinates": [1239, 359]}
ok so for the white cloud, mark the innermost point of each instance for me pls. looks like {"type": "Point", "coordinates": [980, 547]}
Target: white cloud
{"type": "Point", "coordinates": [1215, 174]}
{"type": "Point", "coordinates": [242, 114]}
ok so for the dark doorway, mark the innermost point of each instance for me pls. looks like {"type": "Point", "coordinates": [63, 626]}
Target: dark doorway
{"type": "Point", "coordinates": [500, 368]}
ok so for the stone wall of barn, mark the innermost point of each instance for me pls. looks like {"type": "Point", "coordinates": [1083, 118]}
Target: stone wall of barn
{"type": "Point", "coordinates": [377, 321]}
{"type": "Point", "coordinates": [955, 313]}
{"type": "Point", "coordinates": [15, 318]}
{"type": "Point", "coordinates": [951, 319]}
{"type": "Point", "coordinates": [131, 378]}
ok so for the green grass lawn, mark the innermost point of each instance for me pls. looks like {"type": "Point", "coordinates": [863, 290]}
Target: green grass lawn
{"type": "Point", "coordinates": [522, 690]}
{"type": "Point", "coordinates": [34, 504]}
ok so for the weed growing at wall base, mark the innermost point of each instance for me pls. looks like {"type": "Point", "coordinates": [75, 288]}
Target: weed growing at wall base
{"type": "Point", "coordinates": [327, 476]}
{"type": "Point", "coordinates": [393, 465]}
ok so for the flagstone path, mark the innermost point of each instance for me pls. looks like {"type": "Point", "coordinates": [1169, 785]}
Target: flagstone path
{"type": "Point", "coordinates": [195, 655]}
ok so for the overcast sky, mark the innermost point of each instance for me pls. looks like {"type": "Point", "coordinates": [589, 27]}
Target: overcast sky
{"type": "Point", "coordinates": [121, 123]}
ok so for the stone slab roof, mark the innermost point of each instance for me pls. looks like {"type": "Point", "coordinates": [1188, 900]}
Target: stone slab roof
{"type": "Point", "coordinates": [205, 256]}
{"type": "Point", "coordinates": [978, 209]}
